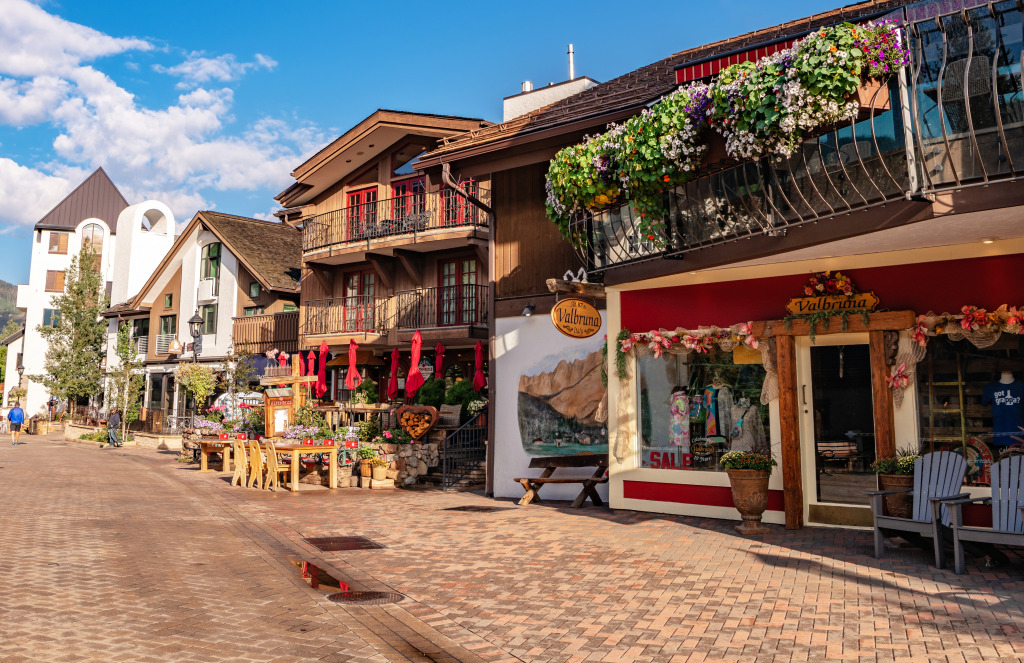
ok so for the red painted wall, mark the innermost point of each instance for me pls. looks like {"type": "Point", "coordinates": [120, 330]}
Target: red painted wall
{"type": "Point", "coordinates": [685, 494]}
{"type": "Point", "coordinates": [942, 287]}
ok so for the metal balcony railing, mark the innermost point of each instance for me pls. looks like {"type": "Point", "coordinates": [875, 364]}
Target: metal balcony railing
{"type": "Point", "coordinates": [955, 119]}
{"type": "Point", "coordinates": [163, 343]}
{"type": "Point", "coordinates": [141, 345]}
{"type": "Point", "coordinates": [411, 214]}
{"type": "Point", "coordinates": [443, 306]}
{"type": "Point", "coordinates": [345, 315]}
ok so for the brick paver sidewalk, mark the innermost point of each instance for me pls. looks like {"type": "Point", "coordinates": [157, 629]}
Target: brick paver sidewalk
{"type": "Point", "coordinates": [127, 555]}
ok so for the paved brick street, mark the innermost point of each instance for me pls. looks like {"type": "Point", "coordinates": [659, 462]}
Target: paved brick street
{"type": "Point", "coordinates": [126, 555]}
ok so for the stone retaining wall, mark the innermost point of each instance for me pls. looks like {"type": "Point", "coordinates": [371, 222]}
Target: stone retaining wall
{"type": "Point", "coordinates": [411, 460]}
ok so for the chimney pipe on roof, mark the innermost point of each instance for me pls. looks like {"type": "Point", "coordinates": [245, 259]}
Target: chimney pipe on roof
{"type": "Point", "coordinates": [527, 86]}
{"type": "Point", "coordinates": [572, 66]}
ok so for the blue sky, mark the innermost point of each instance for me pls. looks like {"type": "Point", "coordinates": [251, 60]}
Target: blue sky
{"type": "Point", "coordinates": [210, 105]}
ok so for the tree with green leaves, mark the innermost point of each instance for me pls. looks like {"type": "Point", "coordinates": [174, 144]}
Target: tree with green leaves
{"type": "Point", "coordinates": [197, 380]}
{"type": "Point", "coordinates": [11, 327]}
{"type": "Point", "coordinates": [239, 374]}
{"type": "Point", "coordinates": [126, 380]}
{"type": "Point", "coordinates": [75, 344]}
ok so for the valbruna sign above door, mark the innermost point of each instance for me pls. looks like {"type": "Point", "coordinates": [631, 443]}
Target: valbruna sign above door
{"type": "Point", "coordinates": [576, 318]}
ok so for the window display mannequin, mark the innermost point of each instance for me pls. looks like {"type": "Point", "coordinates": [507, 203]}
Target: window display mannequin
{"type": "Point", "coordinates": [747, 433]}
{"type": "Point", "coordinates": [1005, 396]}
{"type": "Point", "coordinates": [717, 401]}
{"type": "Point", "coordinates": [679, 419]}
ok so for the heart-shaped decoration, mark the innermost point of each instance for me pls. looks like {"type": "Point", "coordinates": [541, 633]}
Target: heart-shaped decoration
{"type": "Point", "coordinates": [417, 420]}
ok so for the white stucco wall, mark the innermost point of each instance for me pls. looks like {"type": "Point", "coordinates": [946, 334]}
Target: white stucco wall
{"type": "Point", "coordinates": [11, 368]}
{"type": "Point", "coordinates": [526, 346]}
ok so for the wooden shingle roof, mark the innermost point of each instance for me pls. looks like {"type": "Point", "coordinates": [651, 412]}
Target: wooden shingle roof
{"type": "Point", "coordinates": [271, 251]}
{"type": "Point", "coordinates": [95, 198]}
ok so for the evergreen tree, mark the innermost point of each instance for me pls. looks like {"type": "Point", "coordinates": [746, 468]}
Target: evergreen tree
{"type": "Point", "coordinates": [75, 343]}
{"type": "Point", "coordinates": [126, 380]}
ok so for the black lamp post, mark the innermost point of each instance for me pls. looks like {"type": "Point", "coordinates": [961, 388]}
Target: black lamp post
{"type": "Point", "coordinates": [195, 328]}
{"type": "Point", "coordinates": [21, 374]}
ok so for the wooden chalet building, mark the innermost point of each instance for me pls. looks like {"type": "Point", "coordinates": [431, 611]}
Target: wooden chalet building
{"type": "Point", "coordinates": [386, 250]}
{"type": "Point", "coordinates": [920, 203]}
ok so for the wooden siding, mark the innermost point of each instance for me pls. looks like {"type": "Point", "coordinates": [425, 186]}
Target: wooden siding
{"type": "Point", "coordinates": [272, 302]}
{"type": "Point", "coordinates": [528, 249]}
{"type": "Point", "coordinates": [157, 311]}
{"type": "Point", "coordinates": [256, 334]}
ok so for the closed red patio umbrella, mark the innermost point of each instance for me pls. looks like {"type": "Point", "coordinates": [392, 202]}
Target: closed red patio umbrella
{"type": "Point", "coordinates": [479, 381]}
{"type": "Point", "coordinates": [415, 379]}
{"type": "Point", "coordinates": [352, 378]}
{"type": "Point", "coordinates": [438, 360]}
{"type": "Point", "coordinates": [321, 381]}
{"type": "Point", "coordinates": [310, 371]}
{"type": "Point", "coordinates": [393, 381]}
{"type": "Point", "coordinates": [282, 361]}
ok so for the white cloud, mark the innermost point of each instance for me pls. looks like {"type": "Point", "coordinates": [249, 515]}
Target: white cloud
{"type": "Point", "coordinates": [199, 69]}
{"type": "Point", "coordinates": [179, 154]}
{"type": "Point", "coordinates": [35, 43]}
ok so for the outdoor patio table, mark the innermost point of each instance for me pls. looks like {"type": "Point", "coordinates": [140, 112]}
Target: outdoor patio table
{"type": "Point", "coordinates": [206, 447]}
{"type": "Point", "coordinates": [552, 463]}
{"type": "Point", "coordinates": [296, 450]}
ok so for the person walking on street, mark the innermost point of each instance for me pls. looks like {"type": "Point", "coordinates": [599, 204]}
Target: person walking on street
{"type": "Point", "coordinates": [17, 418]}
{"type": "Point", "coordinates": [113, 423]}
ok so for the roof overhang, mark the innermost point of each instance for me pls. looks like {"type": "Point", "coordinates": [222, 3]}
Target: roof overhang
{"type": "Point", "coordinates": [365, 143]}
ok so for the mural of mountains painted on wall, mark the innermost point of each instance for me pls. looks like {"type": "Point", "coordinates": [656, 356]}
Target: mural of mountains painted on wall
{"type": "Point", "coordinates": [8, 297]}
{"type": "Point", "coordinates": [573, 389]}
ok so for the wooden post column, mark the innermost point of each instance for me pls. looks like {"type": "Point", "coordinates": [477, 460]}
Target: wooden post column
{"type": "Point", "coordinates": [789, 416]}
{"type": "Point", "coordinates": [881, 397]}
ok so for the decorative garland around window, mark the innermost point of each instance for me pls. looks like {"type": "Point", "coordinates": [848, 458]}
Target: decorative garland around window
{"type": "Point", "coordinates": [763, 108]}
{"type": "Point", "coordinates": [824, 317]}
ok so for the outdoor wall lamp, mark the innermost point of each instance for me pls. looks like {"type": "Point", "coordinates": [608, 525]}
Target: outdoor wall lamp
{"type": "Point", "coordinates": [21, 373]}
{"type": "Point", "coordinates": [195, 329]}
{"type": "Point", "coordinates": [529, 309]}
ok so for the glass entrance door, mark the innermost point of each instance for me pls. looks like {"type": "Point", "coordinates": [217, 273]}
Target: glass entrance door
{"type": "Point", "coordinates": [837, 430]}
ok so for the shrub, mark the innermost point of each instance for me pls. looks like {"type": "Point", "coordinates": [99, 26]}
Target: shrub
{"type": "Point", "coordinates": [461, 393]}
{"type": "Point", "coordinates": [369, 428]}
{"type": "Point", "coordinates": [746, 460]}
{"type": "Point", "coordinates": [431, 393]}
{"type": "Point", "coordinates": [366, 392]}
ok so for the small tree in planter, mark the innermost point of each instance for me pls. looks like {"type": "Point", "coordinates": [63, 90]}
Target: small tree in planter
{"type": "Point", "coordinates": [897, 473]}
{"type": "Point", "coordinates": [748, 475]}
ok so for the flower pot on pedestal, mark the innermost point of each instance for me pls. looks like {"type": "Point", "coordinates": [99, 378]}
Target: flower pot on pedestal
{"type": "Point", "coordinates": [750, 495]}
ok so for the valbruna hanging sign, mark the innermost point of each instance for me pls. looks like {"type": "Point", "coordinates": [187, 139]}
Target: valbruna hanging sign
{"type": "Point", "coordinates": [576, 318]}
{"type": "Point", "coordinates": [831, 293]}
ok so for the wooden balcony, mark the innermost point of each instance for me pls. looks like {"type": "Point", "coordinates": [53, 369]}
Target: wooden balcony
{"type": "Point", "coordinates": [444, 306]}
{"type": "Point", "coordinates": [434, 216]}
{"type": "Point", "coordinates": [255, 334]}
{"type": "Point", "coordinates": [345, 315]}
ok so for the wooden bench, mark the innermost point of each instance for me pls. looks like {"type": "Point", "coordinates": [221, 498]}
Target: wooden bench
{"type": "Point", "coordinates": [532, 485]}
{"type": "Point", "coordinates": [841, 451]}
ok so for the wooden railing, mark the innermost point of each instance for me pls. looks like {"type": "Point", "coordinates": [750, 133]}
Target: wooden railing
{"type": "Point", "coordinates": [411, 214]}
{"type": "Point", "coordinates": [259, 333]}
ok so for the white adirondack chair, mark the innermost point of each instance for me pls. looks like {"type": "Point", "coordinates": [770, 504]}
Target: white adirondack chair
{"type": "Point", "coordinates": [938, 477]}
{"type": "Point", "coordinates": [1007, 505]}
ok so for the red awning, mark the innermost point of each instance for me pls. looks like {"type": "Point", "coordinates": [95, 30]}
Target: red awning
{"type": "Point", "coordinates": [693, 72]}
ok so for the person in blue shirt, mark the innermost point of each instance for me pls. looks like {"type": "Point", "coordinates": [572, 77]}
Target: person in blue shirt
{"type": "Point", "coordinates": [17, 417]}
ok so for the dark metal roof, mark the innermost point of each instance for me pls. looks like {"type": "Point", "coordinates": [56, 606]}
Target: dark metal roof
{"type": "Point", "coordinates": [95, 198]}
{"type": "Point", "coordinates": [13, 337]}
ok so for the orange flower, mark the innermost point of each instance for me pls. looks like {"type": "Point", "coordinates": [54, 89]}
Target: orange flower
{"type": "Point", "coordinates": [832, 48]}
{"type": "Point", "coordinates": [666, 178]}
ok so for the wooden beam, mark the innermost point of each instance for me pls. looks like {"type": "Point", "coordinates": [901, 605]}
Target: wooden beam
{"type": "Point", "coordinates": [385, 268]}
{"type": "Point", "coordinates": [324, 277]}
{"type": "Point", "coordinates": [408, 260]}
{"type": "Point", "coordinates": [789, 416]}
{"type": "Point", "coordinates": [881, 397]}
{"type": "Point", "coordinates": [881, 321]}
{"type": "Point", "coordinates": [481, 252]}
{"type": "Point", "coordinates": [595, 290]}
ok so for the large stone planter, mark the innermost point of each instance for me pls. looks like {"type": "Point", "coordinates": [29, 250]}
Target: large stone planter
{"type": "Point", "coordinates": [750, 495]}
{"type": "Point", "coordinates": [902, 505]}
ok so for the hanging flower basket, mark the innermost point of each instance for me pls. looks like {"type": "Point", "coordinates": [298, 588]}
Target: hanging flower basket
{"type": "Point", "coordinates": [716, 156]}
{"type": "Point", "coordinates": [873, 97]}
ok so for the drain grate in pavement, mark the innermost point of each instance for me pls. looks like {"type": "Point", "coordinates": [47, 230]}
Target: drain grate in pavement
{"type": "Point", "coordinates": [333, 543]}
{"type": "Point", "coordinates": [478, 509]}
{"type": "Point", "coordinates": [366, 598]}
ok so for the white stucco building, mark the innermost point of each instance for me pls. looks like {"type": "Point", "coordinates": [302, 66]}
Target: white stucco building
{"type": "Point", "coordinates": [130, 240]}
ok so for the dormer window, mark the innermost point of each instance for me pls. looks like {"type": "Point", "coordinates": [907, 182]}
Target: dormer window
{"type": "Point", "coordinates": [254, 289]}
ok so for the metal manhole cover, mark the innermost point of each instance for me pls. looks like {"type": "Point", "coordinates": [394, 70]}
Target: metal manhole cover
{"type": "Point", "coordinates": [478, 509]}
{"type": "Point", "coordinates": [333, 543]}
{"type": "Point", "coordinates": [366, 598]}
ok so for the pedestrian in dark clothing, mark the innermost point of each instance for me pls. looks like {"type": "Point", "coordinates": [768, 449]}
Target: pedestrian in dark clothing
{"type": "Point", "coordinates": [17, 418]}
{"type": "Point", "coordinates": [113, 423]}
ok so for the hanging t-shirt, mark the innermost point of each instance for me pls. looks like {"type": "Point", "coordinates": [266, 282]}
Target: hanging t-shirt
{"type": "Point", "coordinates": [1007, 418]}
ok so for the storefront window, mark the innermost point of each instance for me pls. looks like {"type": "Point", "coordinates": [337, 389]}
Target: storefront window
{"type": "Point", "coordinates": [694, 407]}
{"type": "Point", "coordinates": [970, 401]}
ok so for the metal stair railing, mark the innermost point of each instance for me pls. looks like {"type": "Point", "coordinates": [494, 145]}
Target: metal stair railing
{"type": "Point", "coordinates": [463, 450]}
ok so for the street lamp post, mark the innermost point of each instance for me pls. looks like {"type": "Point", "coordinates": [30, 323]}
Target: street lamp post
{"type": "Point", "coordinates": [195, 328]}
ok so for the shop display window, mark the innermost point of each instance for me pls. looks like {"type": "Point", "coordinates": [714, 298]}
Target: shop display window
{"type": "Point", "coordinates": [694, 407]}
{"type": "Point", "coordinates": [970, 401]}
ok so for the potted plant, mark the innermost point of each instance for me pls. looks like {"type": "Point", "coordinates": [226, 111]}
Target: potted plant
{"type": "Point", "coordinates": [897, 473]}
{"type": "Point", "coordinates": [366, 455]}
{"type": "Point", "coordinates": [379, 468]}
{"type": "Point", "coordinates": [748, 475]}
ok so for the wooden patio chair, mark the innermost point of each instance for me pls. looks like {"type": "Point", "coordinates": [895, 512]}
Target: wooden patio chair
{"type": "Point", "coordinates": [241, 464]}
{"type": "Point", "coordinates": [275, 467]}
{"type": "Point", "coordinates": [938, 477]}
{"type": "Point", "coordinates": [1007, 506]}
{"type": "Point", "coordinates": [255, 465]}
